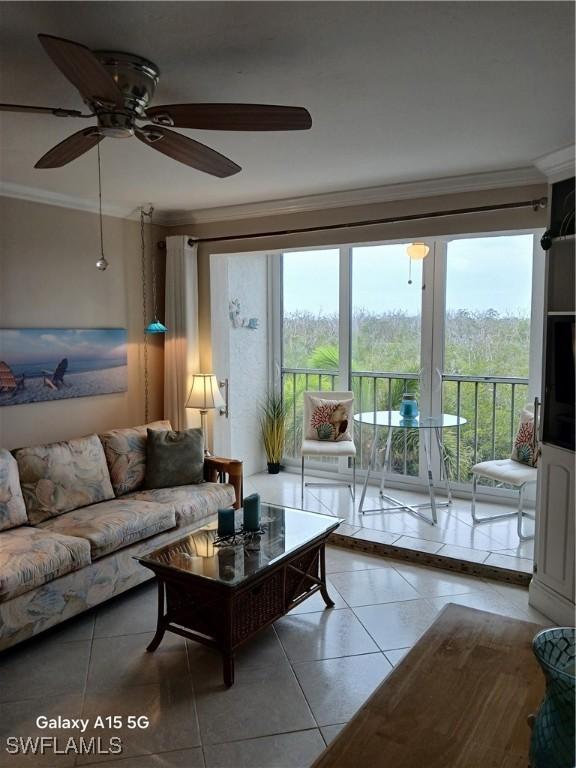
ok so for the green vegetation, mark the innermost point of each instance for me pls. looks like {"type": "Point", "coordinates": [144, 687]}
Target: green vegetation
{"type": "Point", "coordinates": [477, 344]}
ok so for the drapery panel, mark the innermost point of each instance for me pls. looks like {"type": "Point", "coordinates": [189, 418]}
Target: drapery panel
{"type": "Point", "coordinates": [181, 352]}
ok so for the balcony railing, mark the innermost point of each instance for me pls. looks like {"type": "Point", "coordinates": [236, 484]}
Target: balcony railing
{"type": "Point", "coordinates": [491, 406]}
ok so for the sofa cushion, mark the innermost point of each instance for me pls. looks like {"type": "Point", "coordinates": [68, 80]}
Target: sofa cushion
{"type": "Point", "coordinates": [114, 524]}
{"type": "Point", "coordinates": [174, 458]}
{"type": "Point", "coordinates": [125, 451]}
{"type": "Point", "coordinates": [29, 557]}
{"type": "Point", "coordinates": [58, 477]}
{"type": "Point", "coordinates": [12, 507]}
{"type": "Point", "coordinates": [192, 502]}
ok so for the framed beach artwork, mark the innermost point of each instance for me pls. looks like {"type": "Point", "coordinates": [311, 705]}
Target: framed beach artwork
{"type": "Point", "coordinates": [38, 364]}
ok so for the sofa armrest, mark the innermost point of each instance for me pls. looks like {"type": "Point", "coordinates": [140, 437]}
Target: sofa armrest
{"type": "Point", "coordinates": [218, 469]}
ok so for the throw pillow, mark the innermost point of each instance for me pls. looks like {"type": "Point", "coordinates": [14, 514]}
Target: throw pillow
{"type": "Point", "coordinates": [58, 477]}
{"type": "Point", "coordinates": [174, 458]}
{"type": "Point", "coordinates": [329, 420]}
{"type": "Point", "coordinates": [12, 507]}
{"type": "Point", "coordinates": [525, 448]}
{"type": "Point", "coordinates": [125, 451]}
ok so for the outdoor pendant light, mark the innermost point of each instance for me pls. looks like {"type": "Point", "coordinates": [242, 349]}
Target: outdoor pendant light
{"type": "Point", "coordinates": [416, 252]}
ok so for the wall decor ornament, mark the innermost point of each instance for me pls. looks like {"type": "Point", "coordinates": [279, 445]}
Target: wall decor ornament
{"type": "Point", "coordinates": [39, 364]}
{"type": "Point", "coordinates": [250, 323]}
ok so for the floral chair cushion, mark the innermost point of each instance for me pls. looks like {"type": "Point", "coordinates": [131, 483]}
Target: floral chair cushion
{"type": "Point", "coordinates": [125, 451]}
{"type": "Point", "coordinates": [330, 420]}
{"type": "Point", "coordinates": [114, 524]}
{"type": "Point", "coordinates": [12, 507]}
{"type": "Point", "coordinates": [192, 503]}
{"type": "Point", "coordinates": [30, 557]}
{"type": "Point", "coordinates": [526, 449]}
{"type": "Point", "coordinates": [58, 477]}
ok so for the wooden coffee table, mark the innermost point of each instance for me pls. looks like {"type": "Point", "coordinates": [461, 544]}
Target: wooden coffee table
{"type": "Point", "coordinates": [460, 699]}
{"type": "Point", "coordinates": [223, 596]}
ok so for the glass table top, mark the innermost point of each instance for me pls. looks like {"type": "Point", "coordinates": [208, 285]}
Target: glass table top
{"type": "Point", "coordinates": [394, 419]}
{"type": "Point", "coordinates": [286, 530]}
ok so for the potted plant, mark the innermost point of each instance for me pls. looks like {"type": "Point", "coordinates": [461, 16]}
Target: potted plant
{"type": "Point", "coordinates": [273, 429]}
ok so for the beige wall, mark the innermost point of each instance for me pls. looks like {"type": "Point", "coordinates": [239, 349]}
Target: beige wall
{"type": "Point", "coordinates": [48, 279]}
{"type": "Point", "coordinates": [478, 222]}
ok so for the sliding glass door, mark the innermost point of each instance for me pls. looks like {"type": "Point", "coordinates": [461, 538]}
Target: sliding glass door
{"type": "Point", "coordinates": [453, 328]}
{"type": "Point", "coordinates": [386, 342]}
{"type": "Point", "coordinates": [486, 344]}
{"type": "Point", "coordinates": [310, 331]}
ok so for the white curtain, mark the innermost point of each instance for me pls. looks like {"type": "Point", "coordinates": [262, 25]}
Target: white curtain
{"type": "Point", "coordinates": [181, 355]}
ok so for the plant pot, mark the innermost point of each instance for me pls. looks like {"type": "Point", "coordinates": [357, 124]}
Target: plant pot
{"type": "Point", "coordinates": [273, 467]}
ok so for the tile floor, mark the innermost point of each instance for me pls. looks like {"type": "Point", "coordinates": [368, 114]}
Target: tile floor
{"type": "Point", "coordinates": [491, 543]}
{"type": "Point", "coordinates": [297, 682]}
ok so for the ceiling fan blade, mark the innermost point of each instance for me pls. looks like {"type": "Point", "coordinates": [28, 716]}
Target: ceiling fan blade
{"type": "Point", "coordinates": [232, 117]}
{"type": "Point", "coordinates": [79, 65]}
{"type": "Point", "coordinates": [187, 151]}
{"type": "Point", "coordinates": [58, 111]}
{"type": "Point", "coordinates": [70, 148]}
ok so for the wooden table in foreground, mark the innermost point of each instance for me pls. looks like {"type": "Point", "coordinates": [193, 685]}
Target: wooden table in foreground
{"type": "Point", "coordinates": [459, 699]}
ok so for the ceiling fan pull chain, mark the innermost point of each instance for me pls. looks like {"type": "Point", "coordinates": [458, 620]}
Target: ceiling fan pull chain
{"type": "Point", "coordinates": [102, 262]}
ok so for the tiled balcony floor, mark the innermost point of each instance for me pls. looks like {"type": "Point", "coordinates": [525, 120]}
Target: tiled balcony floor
{"type": "Point", "coordinates": [490, 543]}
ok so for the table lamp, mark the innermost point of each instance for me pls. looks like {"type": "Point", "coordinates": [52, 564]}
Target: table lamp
{"type": "Point", "coordinates": [205, 394]}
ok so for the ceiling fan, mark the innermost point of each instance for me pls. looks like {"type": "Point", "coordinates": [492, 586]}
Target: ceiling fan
{"type": "Point", "coordinates": [118, 88]}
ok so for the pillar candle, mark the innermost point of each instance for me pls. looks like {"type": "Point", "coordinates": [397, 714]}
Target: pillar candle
{"type": "Point", "coordinates": [226, 522]}
{"type": "Point", "coordinates": [252, 512]}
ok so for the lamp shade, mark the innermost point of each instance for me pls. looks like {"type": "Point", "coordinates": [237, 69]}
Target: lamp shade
{"type": "Point", "coordinates": [205, 392]}
{"type": "Point", "coordinates": [418, 251]}
{"type": "Point", "coordinates": [155, 327]}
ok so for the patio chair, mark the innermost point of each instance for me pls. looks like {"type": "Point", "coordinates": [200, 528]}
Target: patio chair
{"type": "Point", "coordinates": [55, 379]}
{"type": "Point", "coordinates": [518, 474]}
{"type": "Point", "coordinates": [328, 446]}
{"type": "Point", "coordinates": [8, 381]}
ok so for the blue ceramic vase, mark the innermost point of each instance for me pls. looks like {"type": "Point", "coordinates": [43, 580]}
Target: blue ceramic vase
{"type": "Point", "coordinates": [552, 744]}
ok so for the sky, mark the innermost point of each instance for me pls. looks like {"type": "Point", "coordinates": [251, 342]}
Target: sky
{"type": "Point", "coordinates": [36, 345]}
{"type": "Point", "coordinates": [483, 273]}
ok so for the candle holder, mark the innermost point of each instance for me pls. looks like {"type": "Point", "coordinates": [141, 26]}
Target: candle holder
{"type": "Point", "coordinates": [240, 537]}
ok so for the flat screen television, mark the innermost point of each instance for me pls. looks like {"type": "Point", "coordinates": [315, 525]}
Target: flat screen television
{"type": "Point", "coordinates": [559, 421]}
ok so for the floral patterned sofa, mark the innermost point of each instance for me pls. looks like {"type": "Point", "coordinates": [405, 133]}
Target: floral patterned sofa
{"type": "Point", "coordinates": [72, 516]}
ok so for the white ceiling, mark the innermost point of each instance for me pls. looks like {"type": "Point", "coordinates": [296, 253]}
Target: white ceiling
{"type": "Point", "coordinates": [398, 91]}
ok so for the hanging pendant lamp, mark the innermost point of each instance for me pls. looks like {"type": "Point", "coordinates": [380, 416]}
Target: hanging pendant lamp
{"type": "Point", "coordinates": [416, 252]}
{"type": "Point", "coordinates": [155, 326]}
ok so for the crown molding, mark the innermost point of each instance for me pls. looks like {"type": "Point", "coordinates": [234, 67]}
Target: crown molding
{"type": "Point", "coordinates": [382, 194]}
{"type": "Point", "coordinates": [557, 165]}
{"type": "Point", "coordinates": [48, 197]}
{"type": "Point", "coordinates": [387, 193]}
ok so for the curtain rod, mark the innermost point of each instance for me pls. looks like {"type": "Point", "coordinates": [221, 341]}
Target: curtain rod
{"type": "Point", "coordinates": [536, 205]}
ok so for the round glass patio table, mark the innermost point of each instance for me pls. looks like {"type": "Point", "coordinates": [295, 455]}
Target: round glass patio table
{"type": "Point", "coordinates": [430, 424]}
